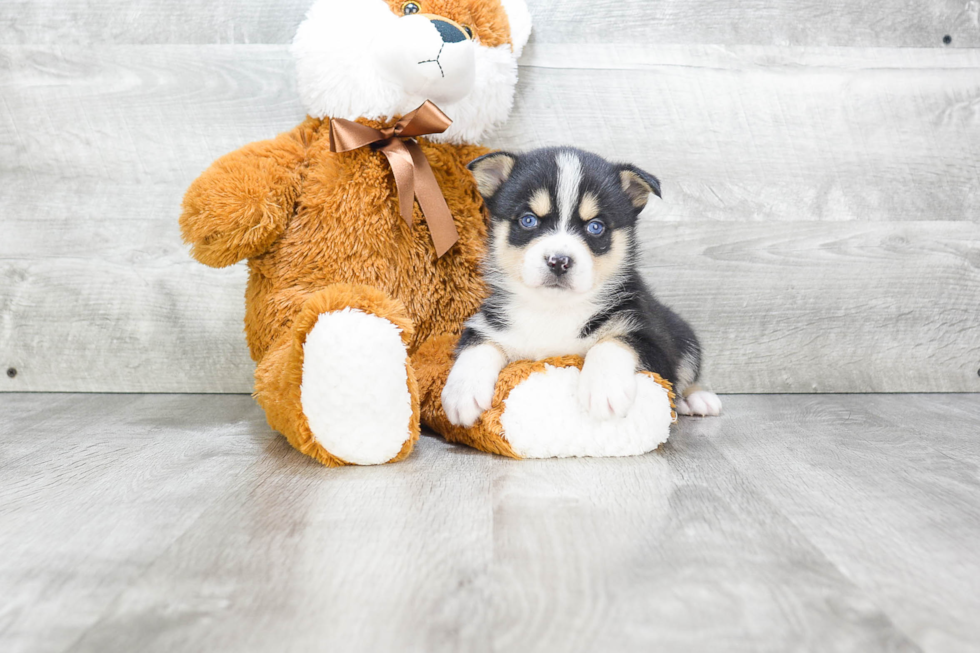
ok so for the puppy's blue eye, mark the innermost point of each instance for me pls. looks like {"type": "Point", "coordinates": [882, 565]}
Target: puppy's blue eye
{"type": "Point", "coordinates": [530, 221]}
{"type": "Point", "coordinates": [596, 228]}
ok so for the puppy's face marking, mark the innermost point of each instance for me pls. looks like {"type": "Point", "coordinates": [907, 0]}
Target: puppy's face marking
{"type": "Point", "coordinates": [541, 203]}
{"type": "Point", "coordinates": [563, 219]}
{"type": "Point", "coordinates": [589, 209]}
{"type": "Point", "coordinates": [569, 184]}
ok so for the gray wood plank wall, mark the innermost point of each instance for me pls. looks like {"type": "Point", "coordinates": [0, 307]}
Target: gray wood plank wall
{"type": "Point", "coordinates": [821, 167]}
{"type": "Point", "coordinates": [887, 23]}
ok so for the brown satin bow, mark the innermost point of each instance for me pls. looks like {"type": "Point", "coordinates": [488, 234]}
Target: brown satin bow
{"type": "Point", "coordinates": [413, 174]}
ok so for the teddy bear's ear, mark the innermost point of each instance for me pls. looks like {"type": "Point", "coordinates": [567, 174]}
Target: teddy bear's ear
{"type": "Point", "coordinates": [491, 171]}
{"type": "Point", "coordinates": [520, 23]}
{"type": "Point", "coordinates": [638, 185]}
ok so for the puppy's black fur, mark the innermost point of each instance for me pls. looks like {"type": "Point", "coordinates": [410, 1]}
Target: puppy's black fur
{"type": "Point", "coordinates": [624, 307]}
{"type": "Point", "coordinates": [563, 279]}
{"type": "Point", "coordinates": [662, 340]}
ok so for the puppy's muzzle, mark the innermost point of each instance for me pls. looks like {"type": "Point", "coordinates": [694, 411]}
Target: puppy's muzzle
{"type": "Point", "coordinates": [559, 264]}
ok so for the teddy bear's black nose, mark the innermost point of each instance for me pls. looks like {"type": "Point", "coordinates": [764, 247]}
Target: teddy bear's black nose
{"type": "Point", "coordinates": [449, 32]}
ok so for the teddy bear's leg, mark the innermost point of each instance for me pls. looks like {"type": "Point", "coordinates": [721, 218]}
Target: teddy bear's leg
{"type": "Point", "coordinates": [536, 412]}
{"type": "Point", "coordinates": [339, 384]}
{"type": "Point", "coordinates": [432, 363]}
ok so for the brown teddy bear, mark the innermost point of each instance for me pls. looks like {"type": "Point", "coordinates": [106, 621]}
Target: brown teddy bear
{"type": "Point", "coordinates": [356, 294]}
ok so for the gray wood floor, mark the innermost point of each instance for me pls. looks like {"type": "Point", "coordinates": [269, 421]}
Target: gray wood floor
{"type": "Point", "coordinates": [793, 523]}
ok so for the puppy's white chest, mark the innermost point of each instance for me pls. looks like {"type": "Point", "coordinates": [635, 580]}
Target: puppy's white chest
{"type": "Point", "coordinates": [536, 332]}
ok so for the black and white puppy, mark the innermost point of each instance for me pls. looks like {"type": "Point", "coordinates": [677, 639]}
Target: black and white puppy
{"type": "Point", "coordinates": [561, 270]}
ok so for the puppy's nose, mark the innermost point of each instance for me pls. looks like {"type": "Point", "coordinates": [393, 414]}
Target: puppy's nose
{"type": "Point", "coordinates": [450, 32]}
{"type": "Point", "coordinates": [559, 264]}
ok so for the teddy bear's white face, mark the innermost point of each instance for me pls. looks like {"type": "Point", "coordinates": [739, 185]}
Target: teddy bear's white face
{"type": "Point", "coordinates": [428, 55]}
{"type": "Point", "coordinates": [381, 58]}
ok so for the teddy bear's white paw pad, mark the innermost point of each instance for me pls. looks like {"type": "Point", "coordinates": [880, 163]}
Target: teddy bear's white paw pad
{"type": "Point", "coordinates": [355, 387]}
{"type": "Point", "coordinates": [470, 386]}
{"type": "Point", "coordinates": [700, 403]}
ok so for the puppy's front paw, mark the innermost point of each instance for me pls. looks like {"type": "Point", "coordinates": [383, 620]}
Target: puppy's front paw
{"type": "Point", "coordinates": [700, 403]}
{"type": "Point", "coordinates": [607, 385]}
{"type": "Point", "coordinates": [469, 389]}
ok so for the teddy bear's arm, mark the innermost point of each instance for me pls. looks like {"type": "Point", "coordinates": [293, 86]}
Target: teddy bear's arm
{"type": "Point", "coordinates": [239, 206]}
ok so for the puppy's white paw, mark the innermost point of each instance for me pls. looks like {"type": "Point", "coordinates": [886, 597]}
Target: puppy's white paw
{"type": "Point", "coordinates": [700, 403]}
{"type": "Point", "coordinates": [607, 385]}
{"type": "Point", "coordinates": [469, 389]}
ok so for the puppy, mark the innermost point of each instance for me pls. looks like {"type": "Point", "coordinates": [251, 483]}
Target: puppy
{"type": "Point", "coordinates": [561, 269]}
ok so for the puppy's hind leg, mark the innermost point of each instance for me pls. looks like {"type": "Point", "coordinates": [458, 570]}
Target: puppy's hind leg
{"type": "Point", "coordinates": [699, 403]}
{"type": "Point", "coordinates": [692, 399]}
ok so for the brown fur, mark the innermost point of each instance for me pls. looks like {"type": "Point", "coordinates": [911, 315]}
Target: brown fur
{"type": "Point", "coordinates": [280, 371]}
{"type": "Point", "coordinates": [322, 232]}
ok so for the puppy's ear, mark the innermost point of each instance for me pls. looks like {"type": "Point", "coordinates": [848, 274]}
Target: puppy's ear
{"type": "Point", "coordinates": [491, 171]}
{"type": "Point", "coordinates": [638, 185]}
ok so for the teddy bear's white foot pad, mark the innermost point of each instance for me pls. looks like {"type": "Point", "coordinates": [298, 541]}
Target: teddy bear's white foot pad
{"type": "Point", "coordinates": [543, 418]}
{"type": "Point", "coordinates": [355, 387]}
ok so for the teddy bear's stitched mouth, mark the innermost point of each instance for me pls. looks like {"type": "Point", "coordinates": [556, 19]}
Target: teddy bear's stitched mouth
{"type": "Point", "coordinates": [436, 61]}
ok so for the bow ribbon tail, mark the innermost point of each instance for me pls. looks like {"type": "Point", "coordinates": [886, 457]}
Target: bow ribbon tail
{"type": "Point", "coordinates": [433, 203]}
{"type": "Point", "coordinates": [402, 164]}
{"type": "Point", "coordinates": [413, 174]}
